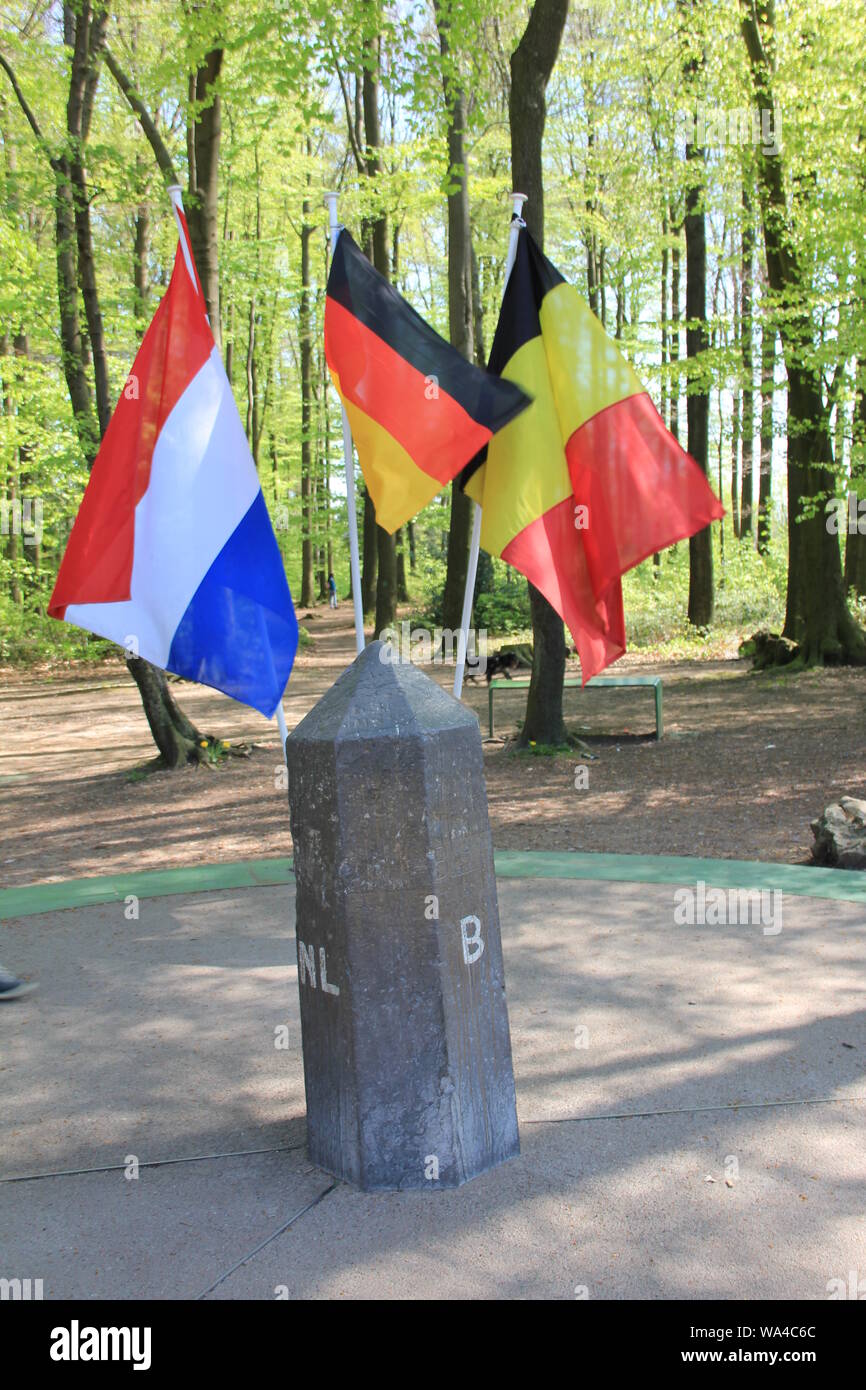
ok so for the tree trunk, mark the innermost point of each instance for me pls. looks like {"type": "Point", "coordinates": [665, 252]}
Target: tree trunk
{"type": "Point", "coordinates": [665, 346]}
{"type": "Point", "coordinates": [674, 336]}
{"type": "Point", "coordinates": [31, 552]}
{"type": "Point", "coordinates": [251, 421]}
{"type": "Point", "coordinates": [13, 395]}
{"type": "Point", "coordinates": [402, 586]}
{"type": "Point", "coordinates": [855, 563]}
{"type": "Point", "coordinates": [460, 316]}
{"type": "Point", "coordinates": [370, 569]}
{"type": "Point", "coordinates": [531, 65]}
{"type": "Point", "coordinates": [178, 740]}
{"type": "Point", "coordinates": [11, 490]}
{"type": "Point", "coordinates": [855, 547]}
{"type": "Point", "coordinates": [386, 581]}
{"type": "Point", "coordinates": [817, 616]}
{"type": "Point", "coordinates": [204, 129]}
{"type": "Point", "coordinates": [84, 33]}
{"type": "Point", "coordinates": [71, 339]}
{"type": "Point", "coordinates": [329, 539]}
{"type": "Point", "coordinates": [306, 340]}
{"type": "Point", "coordinates": [746, 330]}
{"type": "Point", "coordinates": [140, 252]}
{"type": "Point", "coordinates": [386, 551]}
{"type": "Point", "coordinates": [229, 315]}
{"type": "Point", "coordinates": [698, 401]}
{"type": "Point", "coordinates": [736, 435]}
{"type": "Point", "coordinates": [765, 480]}
{"type": "Point", "coordinates": [736, 411]}
{"type": "Point", "coordinates": [73, 348]}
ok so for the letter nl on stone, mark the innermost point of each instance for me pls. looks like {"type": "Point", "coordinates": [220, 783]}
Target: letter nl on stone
{"type": "Point", "coordinates": [407, 1053]}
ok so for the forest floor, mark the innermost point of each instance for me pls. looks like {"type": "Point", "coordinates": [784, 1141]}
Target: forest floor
{"type": "Point", "coordinates": [746, 762]}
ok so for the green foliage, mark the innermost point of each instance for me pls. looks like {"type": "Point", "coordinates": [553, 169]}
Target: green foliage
{"type": "Point", "coordinates": [29, 638]}
{"type": "Point", "coordinates": [504, 610]}
{"type": "Point", "coordinates": [540, 750]}
{"type": "Point", "coordinates": [615, 196]}
{"type": "Point", "coordinates": [750, 594]}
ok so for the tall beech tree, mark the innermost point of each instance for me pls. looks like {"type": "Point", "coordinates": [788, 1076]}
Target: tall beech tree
{"type": "Point", "coordinates": [855, 544]}
{"type": "Point", "coordinates": [354, 112]}
{"type": "Point", "coordinates": [460, 310]}
{"type": "Point", "coordinates": [768, 389]}
{"type": "Point", "coordinates": [817, 617]}
{"type": "Point", "coordinates": [69, 216]}
{"type": "Point", "coordinates": [531, 66]}
{"type": "Point", "coordinates": [855, 541]}
{"type": "Point", "coordinates": [701, 595]}
{"type": "Point", "coordinates": [386, 545]}
{"type": "Point", "coordinates": [747, 341]}
{"type": "Point", "coordinates": [176, 737]}
{"type": "Point", "coordinates": [203, 134]}
{"type": "Point", "coordinates": [305, 330]}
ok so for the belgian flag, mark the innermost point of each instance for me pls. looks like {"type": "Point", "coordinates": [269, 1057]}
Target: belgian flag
{"type": "Point", "coordinates": [418, 410]}
{"type": "Point", "coordinates": [588, 481]}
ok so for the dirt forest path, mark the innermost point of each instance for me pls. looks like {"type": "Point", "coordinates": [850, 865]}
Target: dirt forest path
{"type": "Point", "coordinates": [746, 763]}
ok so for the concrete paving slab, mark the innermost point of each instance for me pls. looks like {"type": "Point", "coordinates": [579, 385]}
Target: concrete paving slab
{"type": "Point", "coordinates": [156, 1037]}
{"type": "Point", "coordinates": [170, 1233]}
{"type": "Point", "coordinates": [601, 1210]}
{"type": "Point", "coordinates": [614, 1006]}
{"type": "Point", "coordinates": [153, 1036]}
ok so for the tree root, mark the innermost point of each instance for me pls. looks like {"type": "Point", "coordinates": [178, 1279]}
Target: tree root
{"type": "Point", "coordinates": [772, 651]}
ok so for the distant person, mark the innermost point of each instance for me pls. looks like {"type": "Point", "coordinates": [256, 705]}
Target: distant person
{"type": "Point", "coordinates": [11, 988]}
{"type": "Point", "coordinates": [332, 591]}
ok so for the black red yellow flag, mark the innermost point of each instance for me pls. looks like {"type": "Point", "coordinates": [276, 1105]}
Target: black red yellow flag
{"type": "Point", "coordinates": [418, 410]}
{"type": "Point", "coordinates": [588, 481]}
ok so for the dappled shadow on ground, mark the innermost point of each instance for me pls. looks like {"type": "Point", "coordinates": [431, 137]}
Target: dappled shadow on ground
{"type": "Point", "coordinates": [746, 763]}
{"type": "Point", "coordinates": [156, 1038]}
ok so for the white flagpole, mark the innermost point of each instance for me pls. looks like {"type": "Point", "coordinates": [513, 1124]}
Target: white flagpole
{"type": "Point", "coordinates": [174, 194]}
{"type": "Point", "coordinates": [349, 458]}
{"type": "Point", "coordinates": [517, 201]}
{"type": "Point", "coordinates": [280, 717]}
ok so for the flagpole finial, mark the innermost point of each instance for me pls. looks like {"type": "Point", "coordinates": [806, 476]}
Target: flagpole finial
{"type": "Point", "coordinates": [334, 227]}
{"type": "Point", "coordinates": [517, 201]}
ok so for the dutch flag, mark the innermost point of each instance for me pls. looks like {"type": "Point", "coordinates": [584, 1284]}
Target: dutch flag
{"type": "Point", "coordinates": [172, 554]}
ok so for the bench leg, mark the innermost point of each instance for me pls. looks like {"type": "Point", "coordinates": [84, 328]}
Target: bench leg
{"type": "Point", "coordinates": [659, 718]}
{"type": "Point", "coordinates": [490, 708]}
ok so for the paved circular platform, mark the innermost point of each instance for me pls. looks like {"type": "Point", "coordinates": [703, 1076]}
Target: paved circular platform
{"type": "Point", "coordinates": [691, 1098]}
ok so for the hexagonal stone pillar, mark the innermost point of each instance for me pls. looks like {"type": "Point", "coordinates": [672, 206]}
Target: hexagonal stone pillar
{"type": "Point", "coordinates": [407, 1054]}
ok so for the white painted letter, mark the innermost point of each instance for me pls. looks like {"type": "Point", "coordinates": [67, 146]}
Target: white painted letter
{"type": "Point", "coordinates": [323, 975]}
{"type": "Point", "coordinates": [306, 963]}
{"type": "Point", "coordinates": [471, 939]}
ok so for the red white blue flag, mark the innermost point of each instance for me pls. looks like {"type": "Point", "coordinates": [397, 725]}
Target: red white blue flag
{"type": "Point", "coordinates": [172, 554]}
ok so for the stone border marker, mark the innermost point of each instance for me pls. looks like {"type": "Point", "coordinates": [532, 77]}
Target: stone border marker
{"type": "Point", "coordinates": [407, 1053]}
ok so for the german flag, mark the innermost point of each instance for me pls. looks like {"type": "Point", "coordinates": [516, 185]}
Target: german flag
{"type": "Point", "coordinates": [418, 410]}
{"type": "Point", "coordinates": [588, 481]}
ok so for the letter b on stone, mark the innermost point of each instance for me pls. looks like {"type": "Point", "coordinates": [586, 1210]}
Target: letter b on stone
{"type": "Point", "coordinates": [473, 945]}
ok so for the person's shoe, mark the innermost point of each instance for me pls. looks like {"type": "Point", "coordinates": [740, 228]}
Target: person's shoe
{"type": "Point", "coordinates": [10, 988]}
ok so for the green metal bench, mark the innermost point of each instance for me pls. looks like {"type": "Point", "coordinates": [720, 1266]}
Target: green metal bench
{"type": "Point", "coordinates": [653, 682]}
